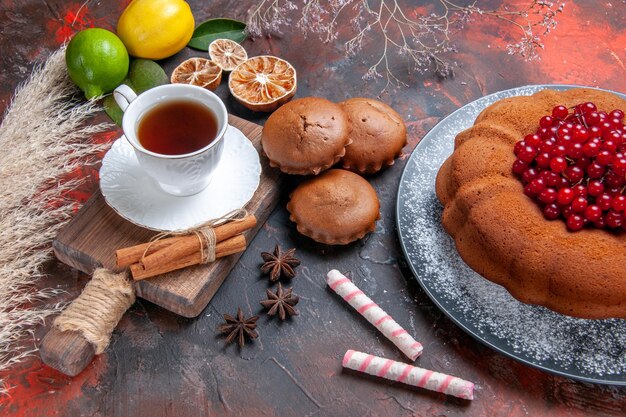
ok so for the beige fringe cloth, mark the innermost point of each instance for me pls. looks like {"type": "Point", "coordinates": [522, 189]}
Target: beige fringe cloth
{"type": "Point", "coordinates": [99, 308]}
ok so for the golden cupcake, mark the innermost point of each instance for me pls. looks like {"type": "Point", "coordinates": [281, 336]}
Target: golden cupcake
{"type": "Point", "coordinates": [377, 132]}
{"type": "Point", "coordinates": [335, 208]}
{"type": "Point", "coordinates": [306, 136]}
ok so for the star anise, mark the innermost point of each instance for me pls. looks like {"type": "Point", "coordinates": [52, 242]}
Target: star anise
{"type": "Point", "coordinates": [282, 302]}
{"type": "Point", "coordinates": [279, 264]}
{"type": "Point", "coordinates": [239, 328]}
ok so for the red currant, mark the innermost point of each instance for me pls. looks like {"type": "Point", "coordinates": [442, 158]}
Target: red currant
{"type": "Point", "coordinates": [619, 165]}
{"type": "Point", "coordinates": [619, 203]}
{"type": "Point", "coordinates": [559, 150]}
{"type": "Point", "coordinates": [563, 131]}
{"type": "Point", "coordinates": [574, 173]}
{"type": "Point", "coordinates": [563, 183]}
{"type": "Point", "coordinates": [614, 180]}
{"type": "Point", "coordinates": [604, 158]}
{"type": "Point", "coordinates": [606, 126]}
{"type": "Point", "coordinates": [613, 135]}
{"type": "Point", "coordinates": [551, 211]}
{"type": "Point", "coordinates": [565, 196]}
{"type": "Point", "coordinates": [537, 185]}
{"type": "Point", "coordinates": [575, 222]}
{"type": "Point", "coordinates": [575, 151]}
{"type": "Point", "coordinates": [547, 145]}
{"type": "Point", "coordinates": [591, 149]}
{"type": "Point", "coordinates": [614, 219]}
{"type": "Point", "coordinates": [567, 212]}
{"type": "Point", "coordinates": [519, 167]}
{"type": "Point", "coordinates": [600, 223]}
{"type": "Point", "coordinates": [543, 160]}
{"type": "Point", "coordinates": [615, 123]}
{"type": "Point", "coordinates": [593, 213]}
{"type": "Point", "coordinates": [616, 114]}
{"type": "Point", "coordinates": [527, 154]}
{"type": "Point", "coordinates": [609, 145]}
{"type": "Point", "coordinates": [614, 192]}
{"type": "Point", "coordinates": [595, 188]}
{"type": "Point", "coordinates": [545, 121]}
{"type": "Point", "coordinates": [595, 132]}
{"type": "Point", "coordinates": [558, 164]}
{"type": "Point", "coordinates": [604, 201]}
{"type": "Point", "coordinates": [547, 195]}
{"type": "Point", "coordinates": [580, 191]}
{"type": "Point", "coordinates": [560, 112]}
{"type": "Point", "coordinates": [587, 107]}
{"type": "Point", "coordinates": [579, 204]}
{"type": "Point", "coordinates": [595, 170]}
{"type": "Point", "coordinates": [532, 140]}
{"type": "Point", "coordinates": [529, 174]}
{"type": "Point", "coordinates": [529, 192]}
{"type": "Point", "coordinates": [553, 179]}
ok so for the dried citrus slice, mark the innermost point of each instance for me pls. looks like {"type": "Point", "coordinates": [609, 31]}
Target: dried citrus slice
{"type": "Point", "coordinates": [263, 83]}
{"type": "Point", "coordinates": [198, 71]}
{"type": "Point", "coordinates": [227, 54]}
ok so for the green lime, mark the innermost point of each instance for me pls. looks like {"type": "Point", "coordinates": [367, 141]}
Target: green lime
{"type": "Point", "coordinates": [97, 61]}
{"type": "Point", "coordinates": [143, 75]}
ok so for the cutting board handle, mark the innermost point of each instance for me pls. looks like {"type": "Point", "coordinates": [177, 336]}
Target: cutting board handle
{"type": "Point", "coordinates": [66, 351]}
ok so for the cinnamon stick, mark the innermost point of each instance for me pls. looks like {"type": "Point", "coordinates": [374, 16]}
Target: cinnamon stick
{"type": "Point", "coordinates": [188, 244]}
{"type": "Point", "coordinates": [192, 244]}
{"type": "Point", "coordinates": [227, 247]}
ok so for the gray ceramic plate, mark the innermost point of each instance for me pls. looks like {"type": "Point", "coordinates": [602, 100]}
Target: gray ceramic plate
{"type": "Point", "coordinates": [587, 350]}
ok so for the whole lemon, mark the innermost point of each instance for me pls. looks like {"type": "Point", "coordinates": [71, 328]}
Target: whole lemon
{"type": "Point", "coordinates": [155, 29]}
{"type": "Point", "coordinates": [97, 61]}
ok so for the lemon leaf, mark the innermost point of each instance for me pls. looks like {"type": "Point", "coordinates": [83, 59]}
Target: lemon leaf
{"type": "Point", "coordinates": [143, 75]}
{"type": "Point", "coordinates": [219, 28]}
{"type": "Point", "coordinates": [112, 109]}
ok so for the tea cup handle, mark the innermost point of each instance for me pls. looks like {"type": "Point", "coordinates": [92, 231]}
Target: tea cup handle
{"type": "Point", "coordinates": [123, 96]}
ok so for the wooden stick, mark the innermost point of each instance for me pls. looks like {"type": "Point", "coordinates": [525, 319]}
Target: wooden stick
{"type": "Point", "coordinates": [191, 244]}
{"type": "Point", "coordinates": [227, 247]}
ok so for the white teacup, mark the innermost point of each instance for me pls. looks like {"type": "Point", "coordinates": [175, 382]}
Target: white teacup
{"type": "Point", "coordinates": [179, 175]}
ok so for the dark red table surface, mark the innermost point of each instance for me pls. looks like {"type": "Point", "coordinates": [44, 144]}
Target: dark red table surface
{"type": "Point", "coordinates": [159, 364]}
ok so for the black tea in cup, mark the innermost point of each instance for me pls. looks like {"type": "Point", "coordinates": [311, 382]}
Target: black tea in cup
{"type": "Point", "coordinates": [177, 127]}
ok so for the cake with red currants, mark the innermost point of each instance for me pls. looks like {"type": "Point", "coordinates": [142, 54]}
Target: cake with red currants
{"type": "Point", "coordinates": [534, 197]}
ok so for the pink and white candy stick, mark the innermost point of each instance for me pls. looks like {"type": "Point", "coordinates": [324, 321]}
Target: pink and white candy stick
{"type": "Point", "coordinates": [408, 374]}
{"type": "Point", "coordinates": [374, 314]}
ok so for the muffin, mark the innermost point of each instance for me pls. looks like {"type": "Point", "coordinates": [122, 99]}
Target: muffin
{"type": "Point", "coordinates": [335, 208]}
{"type": "Point", "coordinates": [305, 136]}
{"type": "Point", "coordinates": [377, 132]}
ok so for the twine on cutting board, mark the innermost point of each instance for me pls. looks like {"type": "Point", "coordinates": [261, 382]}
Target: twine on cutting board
{"type": "Point", "coordinates": [99, 308]}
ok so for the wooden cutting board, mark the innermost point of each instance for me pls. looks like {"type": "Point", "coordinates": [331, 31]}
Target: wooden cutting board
{"type": "Point", "coordinates": [89, 241]}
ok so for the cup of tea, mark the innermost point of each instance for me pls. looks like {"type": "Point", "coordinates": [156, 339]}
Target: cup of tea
{"type": "Point", "coordinates": [177, 131]}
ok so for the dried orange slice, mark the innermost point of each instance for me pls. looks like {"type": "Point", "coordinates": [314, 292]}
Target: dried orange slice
{"type": "Point", "coordinates": [227, 54]}
{"type": "Point", "coordinates": [263, 83]}
{"type": "Point", "coordinates": [198, 71]}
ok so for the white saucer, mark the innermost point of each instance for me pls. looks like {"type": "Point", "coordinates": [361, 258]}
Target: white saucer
{"type": "Point", "coordinates": [137, 198]}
